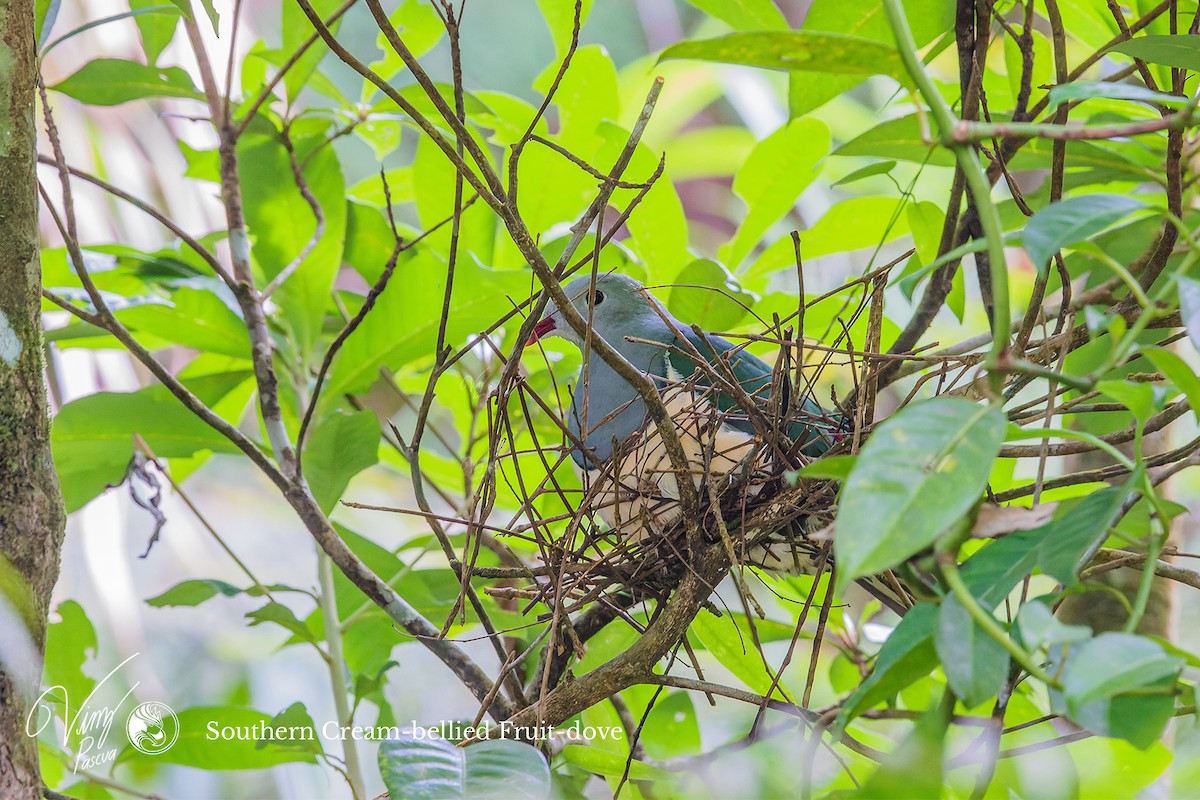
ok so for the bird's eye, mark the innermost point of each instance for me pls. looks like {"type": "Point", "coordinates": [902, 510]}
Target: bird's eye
{"type": "Point", "coordinates": [598, 298]}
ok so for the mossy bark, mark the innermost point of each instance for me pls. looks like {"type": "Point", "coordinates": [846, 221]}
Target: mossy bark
{"type": "Point", "coordinates": [31, 511]}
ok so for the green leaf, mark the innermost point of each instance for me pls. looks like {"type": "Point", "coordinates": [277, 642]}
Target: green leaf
{"type": "Point", "coordinates": [610, 764]}
{"type": "Point", "coordinates": [434, 769]}
{"type": "Point", "coordinates": [919, 473]}
{"type": "Point", "coordinates": [796, 50]}
{"type": "Point", "coordinates": [1178, 372]}
{"type": "Point", "coordinates": [777, 170]}
{"type": "Point", "coordinates": [282, 616]}
{"type": "Point", "coordinates": [560, 17]}
{"type": "Point", "coordinates": [906, 656]}
{"type": "Point", "coordinates": [45, 12]}
{"type": "Point", "coordinates": [992, 572]}
{"type": "Point", "coordinates": [340, 446]}
{"type": "Point", "coordinates": [1171, 51]}
{"type": "Point", "coordinates": [899, 139]}
{"type": "Point", "coordinates": [744, 15]}
{"type": "Point", "coordinates": [915, 767]}
{"type": "Point", "coordinates": [157, 29]}
{"type": "Point", "coordinates": [1040, 628]}
{"type": "Point", "coordinates": [1139, 398]}
{"type": "Point", "coordinates": [69, 640]}
{"type": "Point", "coordinates": [282, 223]}
{"type": "Point", "coordinates": [301, 732]}
{"type": "Point", "coordinates": [1087, 90]}
{"type": "Point", "coordinates": [112, 81]}
{"type": "Point", "coordinates": [415, 295]}
{"type": "Point", "coordinates": [877, 168]}
{"type": "Point", "coordinates": [1073, 220]}
{"type": "Point", "coordinates": [671, 729]}
{"type": "Point", "coordinates": [1072, 534]}
{"type": "Point", "coordinates": [194, 318]}
{"type": "Point", "coordinates": [197, 747]}
{"type": "Point", "coordinates": [193, 593]}
{"type": "Point", "coordinates": [832, 467]}
{"type": "Point", "coordinates": [707, 295]}
{"type": "Point", "coordinates": [732, 645]}
{"type": "Point", "coordinates": [927, 18]}
{"type": "Point", "coordinates": [1121, 685]}
{"type": "Point", "coordinates": [92, 437]}
{"type": "Point", "coordinates": [1189, 307]}
{"type": "Point", "coordinates": [975, 664]}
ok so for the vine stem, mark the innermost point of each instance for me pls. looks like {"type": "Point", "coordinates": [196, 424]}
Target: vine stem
{"type": "Point", "coordinates": [988, 622]}
{"type": "Point", "coordinates": [338, 673]}
{"type": "Point", "coordinates": [977, 183]}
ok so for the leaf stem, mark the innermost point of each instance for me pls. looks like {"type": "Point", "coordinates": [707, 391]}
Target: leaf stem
{"type": "Point", "coordinates": [978, 184]}
{"type": "Point", "coordinates": [338, 672]}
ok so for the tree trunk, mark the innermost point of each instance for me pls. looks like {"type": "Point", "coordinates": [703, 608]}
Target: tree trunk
{"type": "Point", "coordinates": [31, 510]}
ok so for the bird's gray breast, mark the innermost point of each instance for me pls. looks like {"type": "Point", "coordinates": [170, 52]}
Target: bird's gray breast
{"type": "Point", "coordinates": [605, 408]}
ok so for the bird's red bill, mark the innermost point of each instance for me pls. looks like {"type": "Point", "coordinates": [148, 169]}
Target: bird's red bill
{"type": "Point", "coordinates": [544, 326]}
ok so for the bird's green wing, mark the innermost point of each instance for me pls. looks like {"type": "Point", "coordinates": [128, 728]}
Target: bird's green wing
{"type": "Point", "coordinates": [808, 423]}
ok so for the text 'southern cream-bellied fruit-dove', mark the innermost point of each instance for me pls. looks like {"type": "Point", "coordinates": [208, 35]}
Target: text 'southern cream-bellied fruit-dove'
{"type": "Point", "coordinates": [637, 493]}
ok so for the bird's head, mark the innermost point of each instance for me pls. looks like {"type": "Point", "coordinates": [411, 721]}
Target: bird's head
{"type": "Point", "coordinates": [620, 306]}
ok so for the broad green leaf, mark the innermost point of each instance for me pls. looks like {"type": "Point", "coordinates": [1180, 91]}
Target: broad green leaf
{"type": "Point", "coordinates": [295, 29]}
{"type": "Point", "coordinates": [419, 26]}
{"type": "Point", "coordinates": [193, 592]}
{"type": "Point", "coordinates": [1073, 220]}
{"type": "Point", "coordinates": [918, 474]}
{"type": "Point", "coordinates": [194, 318]}
{"type": "Point", "coordinates": [1139, 398]}
{"type": "Point", "coordinates": [282, 223]}
{"type": "Point", "coordinates": [560, 17]}
{"type": "Point", "coordinates": [302, 733]}
{"type": "Point", "coordinates": [907, 655]}
{"type": "Point", "coordinates": [435, 769]}
{"type": "Point", "coordinates": [587, 95]}
{"type": "Point", "coordinates": [1171, 51]}
{"type": "Point", "coordinates": [1088, 90]}
{"type": "Point", "coordinates": [992, 572]}
{"type": "Point", "coordinates": [671, 729]}
{"type": "Point", "coordinates": [899, 139]}
{"type": "Point", "coordinates": [877, 168]}
{"type": "Point", "coordinates": [975, 664]}
{"type": "Point", "coordinates": [1075, 532]}
{"type": "Point", "coordinates": [705, 294]}
{"type": "Point", "coordinates": [45, 12]}
{"type": "Point", "coordinates": [1189, 307]}
{"type": "Point", "coordinates": [415, 295]}
{"type": "Point", "coordinates": [1120, 685]}
{"type": "Point", "coordinates": [811, 90]}
{"type": "Point", "coordinates": [713, 151]}
{"type": "Point", "coordinates": [92, 437]}
{"type": "Point", "coordinates": [69, 641]}
{"type": "Point", "coordinates": [610, 764]}
{"type": "Point", "coordinates": [928, 19]}
{"type": "Point", "coordinates": [157, 28]}
{"type": "Point", "coordinates": [777, 170]}
{"type": "Point", "coordinates": [796, 50]}
{"type": "Point", "coordinates": [744, 15]}
{"type": "Point", "coordinates": [1178, 372]}
{"type": "Point", "coordinates": [282, 616]}
{"type": "Point", "coordinates": [112, 81]}
{"type": "Point", "coordinates": [197, 747]}
{"type": "Point", "coordinates": [732, 645]}
{"type": "Point", "coordinates": [832, 467]}
{"type": "Point", "coordinates": [914, 768]}
{"type": "Point", "coordinates": [1040, 628]}
{"type": "Point", "coordinates": [339, 446]}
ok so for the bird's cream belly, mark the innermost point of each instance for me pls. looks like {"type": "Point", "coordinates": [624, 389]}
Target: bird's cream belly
{"type": "Point", "coordinates": [641, 496]}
